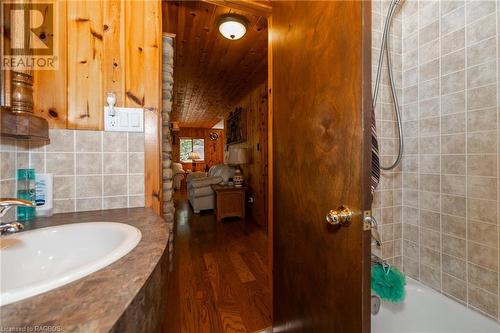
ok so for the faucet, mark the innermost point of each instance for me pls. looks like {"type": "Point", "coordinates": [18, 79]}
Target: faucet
{"type": "Point", "coordinates": [5, 205]}
{"type": "Point", "coordinates": [374, 229]}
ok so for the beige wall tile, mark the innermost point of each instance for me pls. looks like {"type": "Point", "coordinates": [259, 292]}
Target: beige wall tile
{"type": "Point", "coordinates": [64, 187]}
{"type": "Point", "coordinates": [481, 75]}
{"type": "Point", "coordinates": [88, 163]}
{"type": "Point", "coordinates": [115, 202]}
{"type": "Point", "coordinates": [483, 278]}
{"type": "Point", "coordinates": [454, 123]}
{"type": "Point", "coordinates": [114, 163]}
{"type": "Point", "coordinates": [479, 8]}
{"type": "Point", "coordinates": [429, 107]}
{"type": "Point", "coordinates": [430, 258]}
{"type": "Point", "coordinates": [453, 225]}
{"type": "Point", "coordinates": [453, 103]}
{"type": "Point", "coordinates": [429, 32]}
{"type": "Point", "coordinates": [453, 62]}
{"type": "Point", "coordinates": [88, 204]}
{"type": "Point", "coordinates": [88, 186]}
{"type": "Point", "coordinates": [136, 142]}
{"type": "Point", "coordinates": [430, 276]}
{"type": "Point", "coordinates": [483, 300]}
{"type": "Point", "coordinates": [481, 52]}
{"type": "Point", "coordinates": [8, 165]}
{"type": "Point", "coordinates": [454, 246]}
{"type": "Point", "coordinates": [60, 163]}
{"type": "Point", "coordinates": [482, 255]}
{"type": "Point", "coordinates": [453, 164]}
{"type": "Point", "coordinates": [430, 220]}
{"type": "Point", "coordinates": [452, 21]}
{"type": "Point", "coordinates": [482, 210]}
{"type": "Point", "coordinates": [453, 41]}
{"type": "Point", "coordinates": [115, 141]}
{"type": "Point", "coordinates": [453, 144]}
{"type": "Point", "coordinates": [482, 29]}
{"type": "Point", "coordinates": [115, 185]}
{"type": "Point", "coordinates": [136, 162]}
{"type": "Point", "coordinates": [429, 201]}
{"type": "Point", "coordinates": [88, 141]}
{"type": "Point", "coordinates": [483, 142]}
{"type": "Point", "coordinates": [64, 206]}
{"type": "Point", "coordinates": [482, 233]}
{"type": "Point", "coordinates": [452, 82]}
{"type": "Point", "coordinates": [454, 287]}
{"type": "Point", "coordinates": [429, 182]}
{"type": "Point", "coordinates": [482, 120]}
{"type": "Point", "coordinates": [136, 201]}
{"type": "Point", "coordinates": [430, 239]}
{"type": "Point", "coordinates": [482, 165]}
{"type": "Point", "coordinates": [482, 187]}
{"type": "Point", "coordinates": [454, 266]}
{"type": "Point", "coordinates": [61, 141]}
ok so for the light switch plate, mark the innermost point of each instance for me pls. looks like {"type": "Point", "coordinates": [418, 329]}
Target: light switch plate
{"type": "Point", "coordinates": [124, 120]}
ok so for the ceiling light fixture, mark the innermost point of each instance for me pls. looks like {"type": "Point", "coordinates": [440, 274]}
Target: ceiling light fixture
{"type": "Point", "coordinates": [232, 26]}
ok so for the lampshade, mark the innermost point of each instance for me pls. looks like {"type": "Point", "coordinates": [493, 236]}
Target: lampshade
{"type": "Point", "coordinates": [237, 156]}
{"type": "Point", "coordinates": [194, 156]}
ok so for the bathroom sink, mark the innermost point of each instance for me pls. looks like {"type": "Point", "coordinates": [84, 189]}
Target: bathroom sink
{"type": "Point", "coordinates": [36, 261]}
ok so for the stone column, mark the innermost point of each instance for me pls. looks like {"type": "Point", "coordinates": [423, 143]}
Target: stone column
{"type": "Point", "coordinates": [168, 80]}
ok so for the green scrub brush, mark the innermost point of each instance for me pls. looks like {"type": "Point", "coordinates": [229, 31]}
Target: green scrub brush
{"type": "Point", "coordinates": [388, 283]}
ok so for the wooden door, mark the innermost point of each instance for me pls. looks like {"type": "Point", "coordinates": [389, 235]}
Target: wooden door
{"type": "Point", "coordinates": [321, 144]}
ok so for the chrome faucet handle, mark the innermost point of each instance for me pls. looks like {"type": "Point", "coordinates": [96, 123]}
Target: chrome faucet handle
{"type": "Point", "coordinates": [374, 229]}
{"type": "Point", "coordinates": [10, 228]}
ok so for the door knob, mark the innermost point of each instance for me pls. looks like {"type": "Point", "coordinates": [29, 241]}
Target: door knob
{"type": "Point", "coordinates": [342, 216]}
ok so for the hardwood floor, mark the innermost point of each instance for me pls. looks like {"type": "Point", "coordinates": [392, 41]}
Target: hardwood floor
{"type": "Point", "coordinates": [219, 280]}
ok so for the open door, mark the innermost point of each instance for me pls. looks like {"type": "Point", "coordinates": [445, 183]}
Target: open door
{"type": "Point", "coordinates": [321, 144]}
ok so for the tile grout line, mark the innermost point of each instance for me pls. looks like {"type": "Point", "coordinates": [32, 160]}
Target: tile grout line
{"type": "Point", "coordinates": [466, 99]}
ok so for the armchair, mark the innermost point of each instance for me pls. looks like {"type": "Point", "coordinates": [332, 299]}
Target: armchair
{"type": "Point", "coordinates": [200, 193]}
{"type": "Point", "coordinates": [179, 174]}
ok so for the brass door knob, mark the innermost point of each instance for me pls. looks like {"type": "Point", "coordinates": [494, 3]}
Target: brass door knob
{"type": "Point", "coordinates": [342, 216]}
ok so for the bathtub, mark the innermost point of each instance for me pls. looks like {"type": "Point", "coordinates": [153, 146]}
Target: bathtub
{"type": "Point", "coordinates": [427, 311]}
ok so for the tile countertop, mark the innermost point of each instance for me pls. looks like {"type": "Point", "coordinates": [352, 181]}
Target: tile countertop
{"type": "Point", "coordinates": [95, 302]}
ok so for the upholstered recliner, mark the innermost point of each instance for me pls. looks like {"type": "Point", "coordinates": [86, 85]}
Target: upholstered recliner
{"type": "Point", "coordinates": [200, 193]}
{"type": "Point", "coordinates": [179, 173]}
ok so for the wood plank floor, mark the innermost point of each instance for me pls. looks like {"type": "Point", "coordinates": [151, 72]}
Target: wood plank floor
{"type": "Point", "coordinates": [219, 280]}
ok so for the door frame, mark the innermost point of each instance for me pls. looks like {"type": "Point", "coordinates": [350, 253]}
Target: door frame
{"type": "Point", "coordinates": [265, 10]}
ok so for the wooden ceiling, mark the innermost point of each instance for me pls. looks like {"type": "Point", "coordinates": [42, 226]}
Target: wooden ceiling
{"type": "Point", "coordinates": [212, 73]}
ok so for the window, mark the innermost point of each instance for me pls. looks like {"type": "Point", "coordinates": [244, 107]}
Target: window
{"type": "Point", "coordinates": [189, 145]}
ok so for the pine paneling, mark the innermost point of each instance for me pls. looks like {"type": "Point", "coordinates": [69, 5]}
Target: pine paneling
{"type": "Point", "coordinates": [49, 93]}
{"type": "Point", "coordinates": [134, 62]}
{"type": "Point", "coordinates": [114, 49]}
{"type": "Point", "coordinates": [256, 172]}
{"type": "Point", "coordinates": [151, 87]}
{"type": "Point", "coordinates": [85, 53]}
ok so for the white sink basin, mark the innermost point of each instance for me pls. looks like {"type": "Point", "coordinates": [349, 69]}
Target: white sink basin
{"type": "Point", "coordinates": [36, 261]}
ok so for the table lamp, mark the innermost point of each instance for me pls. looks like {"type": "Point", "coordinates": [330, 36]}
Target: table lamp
{"type": "Point", "coordinates": [238, 156]}
{"type": "Point", "coordinates": [193, 156]}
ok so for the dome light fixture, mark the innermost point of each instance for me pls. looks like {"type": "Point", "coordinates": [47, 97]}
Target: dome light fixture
{"type": "Point", "coordinates": [232, 26]}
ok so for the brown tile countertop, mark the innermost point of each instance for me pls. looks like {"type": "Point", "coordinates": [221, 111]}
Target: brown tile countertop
{"type": "Point", "coordinates": [95, 302]}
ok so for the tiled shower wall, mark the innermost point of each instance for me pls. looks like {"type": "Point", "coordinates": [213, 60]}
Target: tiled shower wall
{"type": "Point", "coordinates": [386, 207]}
{"type": "Point", "coordinates": [450, 168]}
{"type": "Point", "coordinates": [92, 170]}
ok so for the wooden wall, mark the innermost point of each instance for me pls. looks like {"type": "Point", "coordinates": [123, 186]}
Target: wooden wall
{"type": "Point", "coordinates": [214, 150]}
{"type": "Point", "coordinates": [256, 172]}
